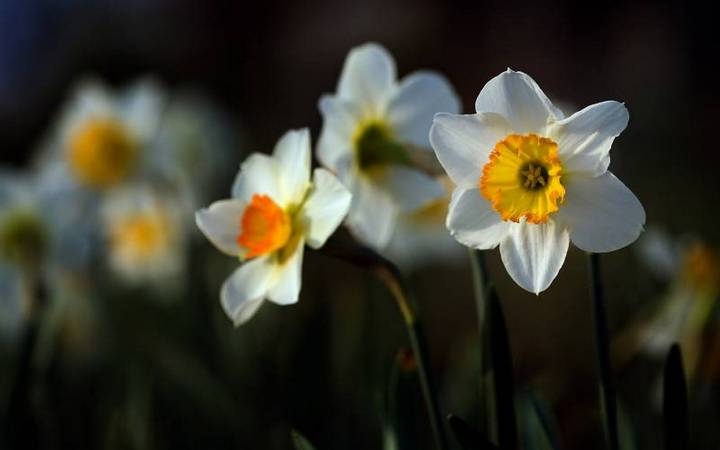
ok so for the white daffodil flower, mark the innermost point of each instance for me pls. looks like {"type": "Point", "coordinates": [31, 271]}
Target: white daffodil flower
{"type": "Point", "coordinates": [421, 239]}
{"type": "Point", "coordinates": [693, 268]}
{"type": "Point", "coordinates": [24, 242]}
{"type": "Point", "coordinates": [146, 235]}
{"type": "Point", "coordinates": [274, 211]}
{"type": "Point", "coordinates": [372, 126]}
{"type": "Point", "coordinates": [197, 144]}
{"type": "Point", "coordinates": [531, 180]}
{"type": "Point", "coordinates": [101, 136]}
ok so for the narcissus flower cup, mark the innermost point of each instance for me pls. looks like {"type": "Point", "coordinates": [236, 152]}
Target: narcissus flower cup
{"type": "Point", "coordinates": [531, 180]}
{"type": "Point", "coordinates": [274, 211]}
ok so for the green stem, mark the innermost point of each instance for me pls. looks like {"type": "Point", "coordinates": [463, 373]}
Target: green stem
{"type": "Point", "coordinates": [389, 274]}
{"type": "Point", "coordinates": [24, 429]}
{"type": "Point", "coordinates": [607, 387]}
{"type": "Point", "coordinates": [480, 285]}
{"type": "Point", "coordinates": [419, 347]}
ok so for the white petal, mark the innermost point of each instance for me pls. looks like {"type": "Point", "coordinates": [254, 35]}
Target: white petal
{"type": "Point", "coordinates": [423, 242]}
{"type": "Point", "coordinates": [412, 107]}
{"type": "Point", "coordinates": [243, 292]}
{"type": "Point", "coordinates": [141, 108]}
{"type": "Point", "coordinates": [292, 153]}
{"type": "Point", "coordinates": [584, 139]}
{"type": "Point", "coordinates": [326, 207]}
{"type": "Point", "coordinates": [462, 143]}
{"type": "Point", "coordinates": [257, 175]}
{"type": "Point", "coordinates": [90, 99]}
{"type": "Point", "coordinates": [409, 188]}
{"type": "Point", "coordinates": [473, 222]}
{"type": "Point", "coordinates": [660, 252]}
{"type": "Point", "coordinates": [288, 278]}
{"type": "Point", "coordinates": [534, 253]}
{"type": "Point", "coordinates": [516, 97]}
{"type": "Point", "coordinates": [220, 223]}
{"type": "Point", "coordinates": [367, 77]}
{"type": "Point", "coordinates": [340, 121]}
{"type": "Point", "coordinates": [372, 215]}
{"type": "Point", "coordinates": [601, 213]}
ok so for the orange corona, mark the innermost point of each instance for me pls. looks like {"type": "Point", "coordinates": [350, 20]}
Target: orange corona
{"type": "Point", "coordinates": [264, 227]}
{"type": "Point", "coordinates": [101, 152]}
{"type": "Point", "coordinates": [522, 178]}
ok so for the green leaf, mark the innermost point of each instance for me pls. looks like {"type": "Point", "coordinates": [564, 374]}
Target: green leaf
{"type": "Point", "coordinates": [538, 428]}
{"type": "Point", "coordinates": [300, 442]}
{"type": "Point", "coordinates": [626, 434]}
{"type": "Point", "coordinates": [468, 437]}
{"type": "Point", "coordinates": [502, 369]}
{"type": "Point", "coordinates": [675, 408]}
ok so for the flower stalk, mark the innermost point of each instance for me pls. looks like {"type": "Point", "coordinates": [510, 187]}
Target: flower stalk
{"type": "Point", "coordinates": [602, 344]}
{"type": "Point", "coordinates": [389, 274]}
{"type": "Point", "coordinates": [418, 342]}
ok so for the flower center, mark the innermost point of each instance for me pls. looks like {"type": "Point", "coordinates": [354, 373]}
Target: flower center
{"type": "Point", "coordinates": [23, 238]}
{"type": "Point", "coordinates": [141, 234]}
{"type": "Point", "coordinates": [264, 227]}
{"type": "Point", "coordinates": [101, 152]}
{"type": "Point", "coordinates": [523, 178]}
{"type": "Point", "coordinates": [376, 147]}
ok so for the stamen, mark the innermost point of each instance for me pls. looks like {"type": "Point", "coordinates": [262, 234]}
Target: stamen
{"type": "Point", "coordinates": [522, 178]}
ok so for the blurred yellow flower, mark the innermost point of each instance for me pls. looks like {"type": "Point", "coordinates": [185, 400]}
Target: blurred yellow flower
{"type": "Point", "coordinates": [146, 234]}
{"type": "Point", "coordinates": [102, 137]}
{"type": "Point", "coordinates": [101, 152]}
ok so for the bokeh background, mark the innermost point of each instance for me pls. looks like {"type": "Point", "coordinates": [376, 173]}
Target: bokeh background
{"type": "Point", "coordinates": [183, 377]}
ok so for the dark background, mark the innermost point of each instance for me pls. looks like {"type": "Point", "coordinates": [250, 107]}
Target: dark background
{"type": "Point", "coordinates": [268, 62]}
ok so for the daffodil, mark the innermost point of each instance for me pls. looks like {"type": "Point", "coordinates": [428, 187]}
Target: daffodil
{"type": "Point", "coordinates": [682, 316]}
{"type": "Point", "coordinates": [145, 234]}
{"type": "Point", "coordinates": [102, 137]}
{"type": "Point", "coordinates": [24, 247]}
{"type": "Point", "coordinates": [275, 210]}
{"type": "Point", "coordinates": [420, 237]}
{"type": "Point", "coordinates": [196, 145]}
{"type": "Point", "coordinates": [531, 180]}
{"type": "Point", "coordinates": [372, 128]}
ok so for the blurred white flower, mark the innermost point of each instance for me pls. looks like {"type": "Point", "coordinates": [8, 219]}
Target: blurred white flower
{"type": "Point", "coordinates": [274, 211]}
{"type": "Point", "coordinates": [420, 237]}
{"type": "Point", "coordinates": [693, 269]}
{"type": "Point", "coordinates": [103, 140]}
{"type": "Point", "coordinates": [102, 137]}
{"type": "Point", "coordinates": [197, 141]}
{"type": "Point", "coordinates": [24, 245]}
{"type": "Point", "coordinates": [371, 127]}
{"type": "Point", "coordinates": [146, 231]}
{"type": "Point", "coordinates": [531, 180]}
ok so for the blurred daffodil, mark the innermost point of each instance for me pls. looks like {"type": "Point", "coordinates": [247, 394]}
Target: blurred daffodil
{"type": "Point", "coordinates": [23, 233]}
{"type": "Point", "coordinates": [420, 237]}
{"type": "Point", "coordinates": [24, 246]}
{"type": "Point", "coordinates": [693, 270]}
{"type": "Point", "coordinates": [274, 211]}
{"type": "Point", "coordinates": [146, 235]}
{"type": "Point", "coordinates": [531, 180]}
{"type": "Point", "coordinates": [102, 136]}
{"type": "Point", "coordinates": [197, 143]}
{"type": "Point", "coordinates": [372, 126]}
